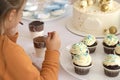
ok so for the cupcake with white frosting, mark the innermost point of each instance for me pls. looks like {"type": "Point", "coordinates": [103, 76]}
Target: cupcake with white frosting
{"type": "Point", "coordinates": [91, 42]}
{"type": "Point", "coordinates": [78, 48]}
{"type": "Point", "coordinates": [111, 65]}
{"type": "Point", "coordinates": [117, 50]}
{"type": "Point", "coordinates": [82, 63]}
{"type": "Point", "coordinates": [110, 41]}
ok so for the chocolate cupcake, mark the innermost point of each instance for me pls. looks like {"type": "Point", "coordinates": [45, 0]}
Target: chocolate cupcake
{"type": "Point", "coordinates": [78, 48]}
{"type": "Point", "coordinates": [39, 45]}
{"type": "Point", "coordinates": [82, 63]}
{"type": "Point", "coordinates": [109, 43]}
{"type": "Point", "coordinates": [117, 50]}
{"type": "Point", "coordinates": [36, 28]}
{"type": "Point", "coordinates": [91, 42]}
{"type": "Point", "coordinates": [111, 65]}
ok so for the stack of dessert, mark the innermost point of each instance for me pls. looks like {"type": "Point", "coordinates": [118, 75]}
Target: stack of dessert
{"type": "Point", "coordinates": [82, 60]}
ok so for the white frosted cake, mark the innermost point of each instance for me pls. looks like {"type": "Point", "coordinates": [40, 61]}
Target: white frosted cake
{"type": "Point", "coordinates": [96, 17]}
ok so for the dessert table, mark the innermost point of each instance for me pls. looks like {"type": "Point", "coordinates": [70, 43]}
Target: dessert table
{"type": "Point", "coordinates": [67, 38]}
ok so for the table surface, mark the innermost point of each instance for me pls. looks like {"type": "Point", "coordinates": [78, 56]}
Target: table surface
{"type": "Point", "coordinates": [58, 25]}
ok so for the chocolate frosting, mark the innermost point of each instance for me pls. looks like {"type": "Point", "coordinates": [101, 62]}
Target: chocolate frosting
{"type": "Point", "coordinates": [39, 42]}
{"type": "Point", "coordinates": [36, 26]}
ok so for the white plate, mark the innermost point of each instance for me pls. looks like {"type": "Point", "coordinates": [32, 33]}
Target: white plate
{"type": "Point", "coordinates": [96, 72]}
{"type": "Point", "coordinates": [47, 19]}
{"type": "Point", "coordinates": [50, 18]}
{"type": "Point", "coordinates": [75, 31]}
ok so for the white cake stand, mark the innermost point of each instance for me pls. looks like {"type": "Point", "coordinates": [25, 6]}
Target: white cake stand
{"type": "Point", "coordinates": [75, 31]}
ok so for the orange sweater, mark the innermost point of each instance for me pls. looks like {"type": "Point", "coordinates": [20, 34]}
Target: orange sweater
{"type": "Point", "coordinates": [16, 65]}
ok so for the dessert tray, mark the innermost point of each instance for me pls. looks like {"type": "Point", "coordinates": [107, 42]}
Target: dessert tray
{"type": "Point", "coordinates": [46, 19]}
{"type": "Point", "coordinates": [96, 72]}
{"type": "Point", "coordinates": [46, 12]}
{"type": "Point", "coordinates": [75, 31]}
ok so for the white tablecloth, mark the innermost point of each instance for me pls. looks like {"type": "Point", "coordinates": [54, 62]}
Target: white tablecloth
{"type": "Point", "coordinates": [58, 25]}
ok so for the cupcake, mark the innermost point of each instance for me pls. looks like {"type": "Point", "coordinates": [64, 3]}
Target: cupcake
{"type": "Point", "coordinates": [36, 28]}
{"type": "Point", "coordinates": [109, 43]}
{"type": "Point", "coordinates": [117, 50]}
{"type": "Point", "coordinates": [82, 63]}
{"type": "Point", "coordinates": [91, 43]}
{"type": "Point", "coordinates": [111, 65]}
{"type": "Point", "coordinates": [39, 45]}
{"type": "Point", "coordinates": [78, 48]}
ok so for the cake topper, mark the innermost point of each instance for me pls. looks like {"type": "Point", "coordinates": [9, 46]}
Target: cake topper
{"type": "Point", "coordinates": [113, 30]}
{"type": "Point", "coordinates": [83, 3]}
{"type": "Point", "coordinates": [90, 2]}
{"type": "Point", "coordinates": [106, 5]}
{"type": "Point", "coordinates": [86, 3]}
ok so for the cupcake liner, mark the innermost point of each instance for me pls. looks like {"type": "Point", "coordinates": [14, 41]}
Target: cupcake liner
{"type": "Point", "coordinates": [111, 73]}
{"type": "Point", "coordinates": [82, 70]}
{"type": "Point", "coordinates": [108, 50]}
{"type": "Point", "coordinates": [92, 49]}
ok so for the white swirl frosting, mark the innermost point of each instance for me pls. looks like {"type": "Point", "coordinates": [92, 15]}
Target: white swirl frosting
{"type": "Point", "coordinates": [78, 48]}
{"type": "Point", "coordinates": [89, 40]}
{"type": "Point", "coordinates": [117, 49]}
{"type": "Point", "coordinates": [111, 39]}
{"type": "Point", "coordinates": [82, 59]}
{"type": "Point", "coordinates": [112, 60]}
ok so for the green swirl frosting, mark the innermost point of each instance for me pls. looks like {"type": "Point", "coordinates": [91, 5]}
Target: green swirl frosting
{"type": "Point", "coordinates": [82, 59]}
{"type": "Point", "coordinates": [89, 40]}
{"type": "Point", "coordinates": [111, 39]}
{"type": "Point", "coordinates": [117, 49]}
{"type": "Point", "coordinates": [112, 60]}
{"type": "Point", "coordinates": [78, 48]}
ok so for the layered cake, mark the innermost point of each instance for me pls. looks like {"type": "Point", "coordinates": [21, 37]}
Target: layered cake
{"type": "Point", "coordinates": [39, 45]}
{"type": "Point", "coordinates": [96, 17]}
{"type": "Point", "coordinates": [36, 28]}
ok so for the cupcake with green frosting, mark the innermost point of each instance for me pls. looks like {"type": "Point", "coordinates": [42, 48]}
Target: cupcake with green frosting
{"type": "Point", "coordinates": [111, 65]}
{"type": "Point", "coordinates": [117, 50]}
{"type": "Point", "coordinates": [110, 41]}
{"type": "Point", "coordinates": [78, 48]}
{"type": "Point", "coordinates": [82, 63]}
{"type": "Point", "coordinates": [91, 42]}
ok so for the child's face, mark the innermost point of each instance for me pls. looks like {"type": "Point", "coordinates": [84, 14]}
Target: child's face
{"type": "Point", "coordinates": [19, 16]}
{"type": "Point", "coordinates": [14, 19]}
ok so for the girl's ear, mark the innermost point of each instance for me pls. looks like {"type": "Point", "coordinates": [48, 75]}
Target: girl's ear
{"type": "Point", "coordinates": [12, 15]}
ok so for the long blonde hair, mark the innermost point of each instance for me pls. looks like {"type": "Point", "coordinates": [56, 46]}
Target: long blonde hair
{"type": "Point", "coordinates": [5, 7]}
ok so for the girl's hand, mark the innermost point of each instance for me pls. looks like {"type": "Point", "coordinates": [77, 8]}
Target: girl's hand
{"type": "Point", "coordinates": [53, 41]}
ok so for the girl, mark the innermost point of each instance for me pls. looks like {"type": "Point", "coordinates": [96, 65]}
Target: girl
{"type": "Point", "coordinates": [14, 63]}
